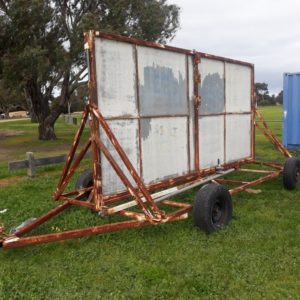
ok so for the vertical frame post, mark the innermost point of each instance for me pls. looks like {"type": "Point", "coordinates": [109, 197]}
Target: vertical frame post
{"type": "Point", "coordinates": [95, 131]}
{"type": "Point", "coordinates": [138, 103]}
{"type": "Point", "coordinates": [197, 100]}
{"type": "Point", "coordinates": [225, 114]}
{"type": "Point", "coordinates": [253, 109]}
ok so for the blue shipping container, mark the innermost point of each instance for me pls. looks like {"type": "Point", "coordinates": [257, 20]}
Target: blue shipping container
{"type": "Point", "coordinates": [291, 110]}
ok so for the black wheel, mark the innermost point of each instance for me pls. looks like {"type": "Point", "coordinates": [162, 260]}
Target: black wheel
{"type": "Point", "coordinates": [291, 173]}
{"type": "Point", "coordinates": [84, 180]}
{"type": "Point", "coordinates": [212, 208]}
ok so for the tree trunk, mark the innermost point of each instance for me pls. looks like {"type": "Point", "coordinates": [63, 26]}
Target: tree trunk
{"type": "Point", "coordinates": [40, 104]}
{"type": "Point", "coordinates": [32, 114]}
{"type": "Point", "coordinates": [46, 131]}
{"type": "Point", "coordinates": [33, 117]}
{"type": "Point", "coordinates": [6, 114]}
{"type": "Point", "coordinates": [41, 109]}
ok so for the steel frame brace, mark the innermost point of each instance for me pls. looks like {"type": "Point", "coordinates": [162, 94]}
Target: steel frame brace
{"type": "Point", "coordinates": [150, 213]}
{"type": "Point", "coordinates": [138, 194]}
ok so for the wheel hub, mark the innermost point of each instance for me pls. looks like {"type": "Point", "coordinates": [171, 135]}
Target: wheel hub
{"type": "Point", "coordinates": [298, 175]}
{"type": "Point", "coordinates": [216, 212]}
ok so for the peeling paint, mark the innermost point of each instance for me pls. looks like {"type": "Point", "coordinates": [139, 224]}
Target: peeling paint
{"type": "Point", "coordinates": [145, 128]}
{"type": "Point", "coordinates": [162, 76]}
{"type": "Point", "coordinates": [238, 88]}
{"type": "Point", "coordinates": [161, 92]}
{"type": "Point", "coordinates": [238, 142]}
{"type": "Point", "coordinates": [152, 91]}
{"type": "Point", "coordinates": [127, 135]}
{"type": "Point", "coordinates": [165, 149]}
{"type": "Point", "coordinates": [212, 94]}
{"type": "Point", "coordinates": [211, 87]}
{"type": "Point", "coordinates": [116, 75]}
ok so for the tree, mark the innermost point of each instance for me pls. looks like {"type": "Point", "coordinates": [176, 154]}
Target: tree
{"type": "Point", "coordinates": [279, 97]}
{"type": "Point", "coordinates": [77, 101]}
{"type": "Point", "coordinates": [262, 93]}
{"type": "Point", "coordinates": [10, 99]}
{"type": "Point", "coordinates": [41, 43]}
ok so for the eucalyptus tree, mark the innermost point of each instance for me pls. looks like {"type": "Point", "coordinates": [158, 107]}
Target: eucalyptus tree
{"type": "Point", "coordinates": [41, 44]}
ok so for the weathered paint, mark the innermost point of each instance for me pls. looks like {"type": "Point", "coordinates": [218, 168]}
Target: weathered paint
{"type": "Point", "coordinates": [153, 91]}
{"type": "Point", "coordinates": [126, 132]}
{"type": "Point", "coordinates": [238, 88]}
{"type": "Point", "coordinates": [164, 148]}
{"type": "Point", "coordinates": [150, 212]}
{"type": "Point", "coordinates": [116, 78]}
{"type": "Point", "coordinates": [191, 113]}
{"type": "Point", "coordinates": [211, 87]}
{"type": "Point", "coordinates": [162, 82]}
{"type": "Point", "coordinates": [238, 137]}
{"type": "Point", "coordinates": [211, 141]}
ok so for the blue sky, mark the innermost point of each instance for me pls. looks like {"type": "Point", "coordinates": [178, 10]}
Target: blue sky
{"type": "Point", "coordinates": [263, 32]}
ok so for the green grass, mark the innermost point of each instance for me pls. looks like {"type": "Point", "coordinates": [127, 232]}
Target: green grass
{"type": "Point", "coordinates": [24, 139]}
{"type": "Point", "coordinates": [273, 115]}
{"type": "Point", "coordinates": [256, 257]}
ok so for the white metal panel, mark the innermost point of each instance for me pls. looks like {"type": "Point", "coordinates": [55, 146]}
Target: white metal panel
{"type": "Point", "coordinates": [238, 88]}
{"type": "Point", "coordinates": [164, 148]}
{"type": "Point", "coordinates": [211, 141]}
{"type": "Point", "coordinates": [116, 78]}
{"type": "Point", "coordinates": [162, 82]}
{"type": "Point", "coordinates": [238, 137]}
{"type": "Point", "coordinates": [165, 90]}
{"type": "Point", "coordinates": [191, 112]}
{"type": "Point", "coordinates": [211, 88]}
{"type": "Point", "coordinates": [126, 131]}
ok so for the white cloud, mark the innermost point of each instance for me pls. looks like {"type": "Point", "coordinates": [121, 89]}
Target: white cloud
{"type": "Point", "coordinates": [263, 32]}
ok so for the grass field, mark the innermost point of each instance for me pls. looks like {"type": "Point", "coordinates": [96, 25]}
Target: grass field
{"type": "Point", "coordinates": [256, 257]}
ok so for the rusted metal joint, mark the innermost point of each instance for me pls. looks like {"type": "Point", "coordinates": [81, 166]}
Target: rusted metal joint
{"type": "Point", "coordinates": [56, 195]}
{"type": "Point", "coordinates": [102, 211]}
{"type": "Point", "coordinates": [3, 235]}
{"type": "Point", "coordinates": [156, 217]}
{"type": "Point", "coordinates": [197, 100]}
{"type": "Point", "coordinates": [197, 57]}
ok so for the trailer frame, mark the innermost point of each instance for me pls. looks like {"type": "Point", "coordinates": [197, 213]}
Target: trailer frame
{"type": "Point", "coordinates": [145, 197]}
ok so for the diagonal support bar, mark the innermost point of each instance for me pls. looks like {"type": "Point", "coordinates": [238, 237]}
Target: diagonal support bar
{"type": "Point", "coordinates": [157, 212]}
{"type": "Point", "coordinates": [254, 182]}
{"type": "Point", "coordinates": [124, 179]}
{"type": "Point", "coordinates": [267, 131]}
{"type": "Point", "coordinates": [71, 171]}
{"type": "Point", "coordinates": [74, 145]}
{"type": "Point", "coordinates": [42, 219]}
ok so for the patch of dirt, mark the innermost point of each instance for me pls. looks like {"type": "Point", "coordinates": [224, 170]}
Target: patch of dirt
{"type": "Point", "coordinates": [5, 133]}
{"type": "Point", "coordinates": [11, 180]}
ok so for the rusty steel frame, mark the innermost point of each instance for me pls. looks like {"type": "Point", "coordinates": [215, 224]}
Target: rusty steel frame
{"type": "Point", "coordinates": [113, 204]}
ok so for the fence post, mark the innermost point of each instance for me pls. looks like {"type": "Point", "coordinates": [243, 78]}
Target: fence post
{"type": "Point", "coordinates": [31, 164]}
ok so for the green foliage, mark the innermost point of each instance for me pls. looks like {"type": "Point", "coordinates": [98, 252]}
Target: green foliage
{"type": "Point", "coordinates": [279, 98]}
{"type": "Point", "coordinates": [262, 95]}
{"type": "Point", "coordinates": [10, 99]}
{"type": "Point", "coordinates": [256, 257]}
{"type": "Point", "coordinates": [77, 101]}
{"type": "Point", "coordinates": [41, 44]}
{"type": "Point", "coordinates": [30, 43]}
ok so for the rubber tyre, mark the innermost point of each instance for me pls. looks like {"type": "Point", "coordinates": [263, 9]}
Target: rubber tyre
{"type": "Point", "coordinates": [291, 173]}
{"type": "Point", "coordinates": [84, 180]}
{"type": "Point", "coordinates": [212, 208]}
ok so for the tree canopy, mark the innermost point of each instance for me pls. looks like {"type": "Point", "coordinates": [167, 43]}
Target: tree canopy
{"type": "Point", "coordinates": [10, 99]}
{"type": "Point", "coordinates": [263, 96]}
{"type": "Point", "coordinates": [41, 44]}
